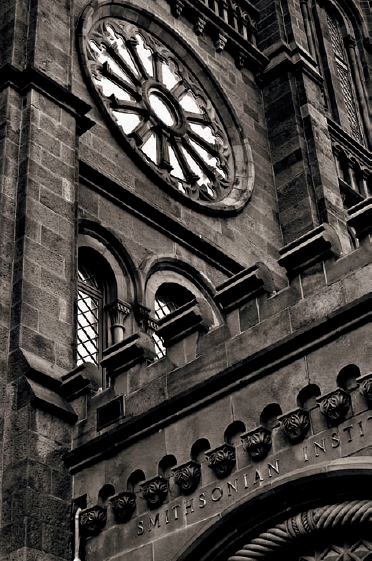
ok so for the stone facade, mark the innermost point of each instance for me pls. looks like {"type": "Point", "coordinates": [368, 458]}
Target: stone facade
{"type": "Point", "coordinates": [237, 422]}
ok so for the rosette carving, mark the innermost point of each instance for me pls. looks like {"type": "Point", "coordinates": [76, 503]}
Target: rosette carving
{"type": "Point", "coordinates": [123, 505]}
{"type": "Point", "coordinates": [365, 386]}
{"type": "Point", "coordinates": [222, 460]}
{"type": "Point", "coordinates": [335, 405]}
{"type": "Point", "coordinates": [93, 520]}
{"type": "Point", "coordinates": [155, 490]}
{"type": "Point", "coordinates": [257, 442]}
{"type": "Point", "coordinates": [295, 424]}
{"type": "Point", "coordinates": [187, 476]}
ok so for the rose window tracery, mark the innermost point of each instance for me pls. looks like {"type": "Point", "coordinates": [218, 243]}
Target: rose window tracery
{"type": "Point", "coordinates": [161, 110]}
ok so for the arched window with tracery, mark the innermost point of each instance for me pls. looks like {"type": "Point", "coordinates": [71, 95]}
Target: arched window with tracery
{"type": "Point", "coordinates": [89, 317]}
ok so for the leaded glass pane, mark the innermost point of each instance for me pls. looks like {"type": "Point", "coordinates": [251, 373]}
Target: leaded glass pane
{"type": "Point", "coordinates": [88, 328]}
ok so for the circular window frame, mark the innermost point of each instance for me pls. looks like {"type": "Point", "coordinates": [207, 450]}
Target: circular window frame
{"type": "Point", "coordinates": [242, 163]}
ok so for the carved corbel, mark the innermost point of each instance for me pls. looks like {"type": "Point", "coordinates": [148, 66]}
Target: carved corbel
{"type": "Point", "coordinates": [123, 505]}
{"type": "Point", "coordinates": [295, 424]}
{"type": "Point", "coordinates": [257, 442]}
{"type": "Point", "coordinates": [220, 42]}
{"type": "Point", "coordinates": [240, 60]}
{"type": "Point", "coordinates": [177, 8]}
{"type": "Point", "coordinates": [365, 386]}
{"type": "Point", "coordinates": [335, 405]}
{"type": "Point", "coordinates": [155, 491]}
{"type": "Point", "coordinates": [199, 25]}
{"type": "Point", "coordinates": [187, 476]}
{"type": "Point", "coordinates": [222, 460]}
{"type": "Point", "coordinates": [93, 520]}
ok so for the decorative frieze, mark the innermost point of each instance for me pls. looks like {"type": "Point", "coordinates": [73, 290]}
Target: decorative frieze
{"type": "Point", "coordinates": [93, 520]}
{"type": "Point", "coordinates": [123, 505]}
{"type": "Point", "coordinates": [335, 405]}
{"type": "Point", "coordinates": [155, 491]}
{"type": "Point", "coordinates": [295, 424]}
{"type": "Point", "coordinates": [187, 476]}
{"type": "Point", "coordinates": [257, 442]}
{"type": "Point", "coordinates": [222, 460]}
{"type": "Point", "coordinates": [365, 386]}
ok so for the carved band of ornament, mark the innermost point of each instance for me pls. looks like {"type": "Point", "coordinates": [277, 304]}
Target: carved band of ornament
{"type": "Point", "coordinates": [257, 443]}
{"type": "Point", "coordinates": [123, 505]}
{"type": "Point", "coordinates": [295, 424]}
{"type": "Point", "coordinates": [335, 405]}
{"type": "Point", "coordinates": [155, 491]}
{"type": "Point", "coordinates": [365, 386]}
{"type": "Point", "coordinates": [222, 460]}
{"type": "Point", "coordinates": [93, 520]}
{"type": "Point", "coordinates": [187, 476]}
{"type": "Point", "coordinates": [330, 517]}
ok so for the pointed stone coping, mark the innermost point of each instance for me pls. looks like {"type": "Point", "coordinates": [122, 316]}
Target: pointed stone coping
{"type": "Point", "coordinates": [360, 218]}
{"type": "Point", "coordinates": [309, 249]}
{"type": "Point", "coordinates": [133, 350]}
{"type": "Point", "coordinates": [193, 316]}
{"type": "Point", "coordinates": [244, 286]}
{"type": "Point", "coordinates": [84, 377]}
{"type": "Point", "coordinates": [45, 398]}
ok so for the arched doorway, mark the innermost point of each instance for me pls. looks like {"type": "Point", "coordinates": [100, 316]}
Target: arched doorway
{"type": "Point", "coordinates": [313, 514]}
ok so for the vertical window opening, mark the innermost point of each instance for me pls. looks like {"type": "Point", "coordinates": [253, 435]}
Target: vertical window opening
{"type": "Point", "coordinates": [89, 324]}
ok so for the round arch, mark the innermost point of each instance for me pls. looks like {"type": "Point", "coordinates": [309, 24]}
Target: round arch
{"type": "Point", "coordinates": [338, 490]}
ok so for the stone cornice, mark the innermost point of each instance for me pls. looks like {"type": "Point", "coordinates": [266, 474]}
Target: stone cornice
{"type": "Point", "coordinates": [234, 377]}
{"type": "Point", "coordinates": [338, 135]}
{"type": "Point", "coordinates": [32, 78]}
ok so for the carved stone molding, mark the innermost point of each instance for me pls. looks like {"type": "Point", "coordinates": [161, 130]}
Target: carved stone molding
{"type": "Point", "coordinates": [335, 405]}
{"type": "Point", "coordinates": [257, 442]}
{"type": "Point", "coordinates": [336, 516]}
{"type": "Point", "coordinates": [123, 505]}
{"type": "Point", "coordinates": [222, 460]}
{"type": "Point", "coordinates": [295, 424]}
{"type": "Point", "coordinates": [93, 520]}
{"type": "Point", "coordinates": [155, 491]}
{"type": "Point", "coordinates": [187, 476]}
{"type": "Point", "coordinates": [365, 386]}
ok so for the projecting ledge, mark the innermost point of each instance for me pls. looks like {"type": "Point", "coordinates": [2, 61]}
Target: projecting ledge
{"type": "Point", "coordinates": [360, 218]}
{"type": "Point", "coordinates": [133, 350]}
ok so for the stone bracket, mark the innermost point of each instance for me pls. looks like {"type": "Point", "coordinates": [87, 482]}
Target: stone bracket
{"type": "Point", "coordinates": [244, 286]}
{"type": "Point", "coordinates": [193, 316]}
{"type": "Point", "coordinates": [310, 248]}
{"type": "Point", "coordinates": [133, 350]}
{"type": "Point", "coordinates": [335, 405]}
{"type": "Point", "coordinates": [365, 386]}
{"type": "Point", "coordinates": [295, 424]}
{"type": "Point", "coordinates": [360, 218]}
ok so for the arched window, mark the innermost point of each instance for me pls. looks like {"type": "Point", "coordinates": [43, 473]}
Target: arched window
{"type": "Point", "coordinates": [89, 321]}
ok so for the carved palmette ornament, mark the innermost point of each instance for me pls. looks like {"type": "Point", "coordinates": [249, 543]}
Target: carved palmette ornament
{"type": "Point", "coordinates": [187, 476]}
{"type": "Point", "coordinates": [295, 424]}
{"type": "Point", "coordinates": [257, 442]}
{"type": "Point", "coordinates": [365, 386]}
{"type": "Point", "coordinates": [93, 520]}
{"type": "Point", "coordinates": [335, 405]}
{"type": "Point", "coordinates": [123, 505]}
{"type": "Point", "coordinates": [222, 460]}
{"type": "Point", "coordinates": [155, 491]}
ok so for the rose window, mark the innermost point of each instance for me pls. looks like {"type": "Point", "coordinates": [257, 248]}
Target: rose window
{"type": "Point", "coordinates": [163, 112]}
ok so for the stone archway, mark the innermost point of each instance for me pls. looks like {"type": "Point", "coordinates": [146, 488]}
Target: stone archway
{"type": "Point", "coordinates": [342, 518]}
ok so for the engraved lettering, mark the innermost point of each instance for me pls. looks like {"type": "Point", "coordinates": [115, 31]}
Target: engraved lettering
{"type": "Point", "coordinates": [257, 477]}
{"type": "Point", "coordinates": [140, 528]}
{"type": "Point", "coordinates": [321, 447]}
{"type": "Point", "coordinates": [348, 432]}
{"type": "Point", "coordinates": [217, 497]}
{"type": "Point", "coordinates": [202, 501]}
{"type": "Point", "coordinates": [275, 468]}
{"type": "Point", "coordinates": [166, 517]}
{"type": "Point", "coordinates": [361, 428]}
{"type": "Point", "coordinates": [245, 481]}
{"type": "Point", "coordinates": [152, 523]}
{"type": "Point", "coordinates": [189, 506]}
{"type": "Point", "coordinates": [306, 459]}
{"type": "Point", "coordinates": [175, 508]}
{"type": "Point", "coordinates": [335, 440]}
{"type": "Point", "coordinates": [231, 486]}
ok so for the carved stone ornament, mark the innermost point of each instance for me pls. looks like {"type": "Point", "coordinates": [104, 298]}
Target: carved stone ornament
{"type": "Point", "coordinates": [222, 460]}
{"type": "Point", "coordinates": [123, 505]}
{"type": "Point", "coordinates": [155, 491]}
{"type": "Point", "coordinates": [187, 476]}
{"type": "Point", "coordinates": [335, 405]}
{"type": "Point", "coordinates": [295, 424]}
{"type": "Point", "coordinates": [365, 386]}
{"type": "Point", "coordinates": [199, 25]}
{"type": "Point", "coordinates": [93, 520]}
{"type": "Point", "coordinates": [161, 111]}
{"type": "Point", "coordinates": [257, 443]}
